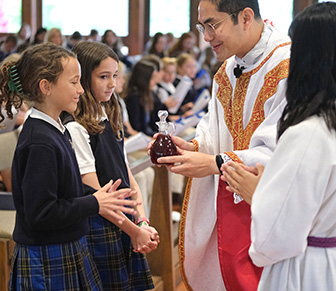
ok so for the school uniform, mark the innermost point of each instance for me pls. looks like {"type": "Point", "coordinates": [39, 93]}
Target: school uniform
{"type": "Point", "coordinates": [51, 220]}
{"type": "Point", "coordinates": [140, 119]}
{"type": "Point", "coordinates": [119, 267]}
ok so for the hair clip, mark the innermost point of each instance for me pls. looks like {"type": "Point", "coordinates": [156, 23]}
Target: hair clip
{"type": "Point", "coordinates": [14, 83]}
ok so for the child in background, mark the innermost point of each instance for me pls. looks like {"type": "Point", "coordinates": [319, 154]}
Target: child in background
{"type": "Point", "coordinates": [99, 146]}
{"type": "Point", "coordinates": [166, 86]}
{"type": "Point", "coordinates": [142, 104]}
{"type": "Point", "coordinates": [51, 207]}
{"type": "Point", "coordinates": [54, 35]}
{"type": "Point", "coordinates": [120, 82]}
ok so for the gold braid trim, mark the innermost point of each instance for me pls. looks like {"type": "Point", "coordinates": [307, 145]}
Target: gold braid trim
{"type": "Point", "coordinates": [233, 109]}
{"type": "Point", "coordinates": [195, 142]}
{"type": "Point", "coordinates": [183, 223]}
{"type": "Point", "coordinates": [182, 234]}
{"type": "Point", "coordinates": [181, 249]}
{"type": "Point", "coordinates": [234, 157]}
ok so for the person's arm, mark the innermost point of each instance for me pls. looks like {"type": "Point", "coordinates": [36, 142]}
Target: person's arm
{"type": "Point", "coordinates": [291, 192]}
{"type": "Point", "coordinates": [140, 214]}
{"type": "Point", "coordinates": [241, 179]}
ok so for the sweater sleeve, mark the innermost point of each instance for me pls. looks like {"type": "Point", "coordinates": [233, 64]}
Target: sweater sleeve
{"type": "Point", "coordinates": [48, 201]}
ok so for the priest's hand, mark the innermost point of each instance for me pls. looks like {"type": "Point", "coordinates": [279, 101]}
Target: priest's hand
{"type": "Point", "coordinates": [191, 164]}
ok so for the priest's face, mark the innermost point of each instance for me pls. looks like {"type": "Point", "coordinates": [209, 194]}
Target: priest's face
{"type": "Point", "coordinates": [225, 37]}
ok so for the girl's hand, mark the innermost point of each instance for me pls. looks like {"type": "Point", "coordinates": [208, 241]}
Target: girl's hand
{"type": "Point", "coordinates": [187, 106]}
{"type": "Point", "coordinates": [242, 179]}
{"type": "Point", "coordinates": [111, 201]}
{"type": "Point", "coordinates": [142, 242]}
{"type": "Point", "coordinates": [152, 231]}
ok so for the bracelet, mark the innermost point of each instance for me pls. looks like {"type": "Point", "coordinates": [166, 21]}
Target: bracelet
{"type": "Point", "coordinates": [143, 223]}
{"type": "Point", "coordinates": [219, 162]}
{"type": "Point", "coordinates": [141, 220]}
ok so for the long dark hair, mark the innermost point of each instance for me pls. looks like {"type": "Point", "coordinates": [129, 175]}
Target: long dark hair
{"type": "Point", "coordinates": [155, 40]}
{"type": "Point", "coordinates": [89, 111]}
{"type": "Point", "coordinates": [311, 86]}
{"type": "Point", "coordinates": [138, 83]}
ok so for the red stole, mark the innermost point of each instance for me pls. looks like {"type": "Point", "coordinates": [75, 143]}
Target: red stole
{"type": "Point", "coordinates": [233, 229]}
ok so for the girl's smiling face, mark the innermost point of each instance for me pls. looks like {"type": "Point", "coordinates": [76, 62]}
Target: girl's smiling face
{"type": "Point", "coordinates": [103, 80]}
{"type": "Point", "coordinates": [65, 93]}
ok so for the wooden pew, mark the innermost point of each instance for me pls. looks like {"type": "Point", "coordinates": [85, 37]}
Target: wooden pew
{"type": "Point", "coordinates": [7, 220]}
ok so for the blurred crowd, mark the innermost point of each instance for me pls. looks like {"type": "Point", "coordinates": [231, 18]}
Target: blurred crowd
{"type": "Point", "coordinates": [170, 74]}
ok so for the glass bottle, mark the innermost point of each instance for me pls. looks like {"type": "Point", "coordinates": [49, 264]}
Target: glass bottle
{"type": "Point", "coordinates": [163, 145]}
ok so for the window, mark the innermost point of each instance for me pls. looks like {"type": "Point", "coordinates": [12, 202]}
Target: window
{"type": "Point", "coordinates": [169, 16]}
{"type": "Point", "coordinates": [10, 16]}
{"type": "Point", "coordinates": [84, 15]}
{"type": "Point", "coordinates": [279, 12]}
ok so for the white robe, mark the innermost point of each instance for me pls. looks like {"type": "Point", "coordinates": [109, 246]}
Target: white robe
{"type": "Point", "coordinates": [296, 198]}
{"type": "Point", "coordinates": [198, 230]}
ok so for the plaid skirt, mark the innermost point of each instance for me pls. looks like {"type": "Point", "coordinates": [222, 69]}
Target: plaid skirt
{"type": "Point", "coordinates": [119, 267]}
{"type": "Point", "coordinates": [67, 266]}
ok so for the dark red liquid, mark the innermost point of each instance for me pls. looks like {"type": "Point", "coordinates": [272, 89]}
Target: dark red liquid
{"type": "Point", "coordinates": [162, 147]}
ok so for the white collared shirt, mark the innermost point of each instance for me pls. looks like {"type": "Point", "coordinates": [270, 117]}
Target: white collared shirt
{"type": "Point", "coordinates": [35, 113]}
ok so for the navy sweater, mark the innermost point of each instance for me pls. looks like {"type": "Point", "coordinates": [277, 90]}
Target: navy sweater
{"type": "Point", "coordinates": [48, 192]}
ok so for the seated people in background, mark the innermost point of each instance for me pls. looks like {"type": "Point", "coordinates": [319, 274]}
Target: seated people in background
{"type": "Point", "coordinates": [39, 35]}
{"type": "Point", "coordinates": [208, 61]}
{"type": "Point", "coordinates": [54, 35]}
{"type": "Point", "coordinates": [170, 40]}
{"type": "Point", "coordinates": [112, 40]}
{"type": "Point", "coordinates": [118, 93]}
{"type": "Point", "coordinates": [185, 44]}
{"type": "Point", "coordinates": [9, 134]}
{"type": "Point", "coordinates": [158, 63]}
{"type": "Point", "coordinates": [7, 46]}
{"type": "Point", "coordinates": [142, 103]}
{"type": "Point", "coordinates": [158, 45]}
{"type": "Point", "coordinates": [186, 68]}
{"type": "Point", "coordinates": [166, 87]}
{"type": "Point", "coordinates": [93, 36]}
{"type": "Point", "coordinates": [75, 38]}
{"type": "Point", "coordinates": [23, 35]}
